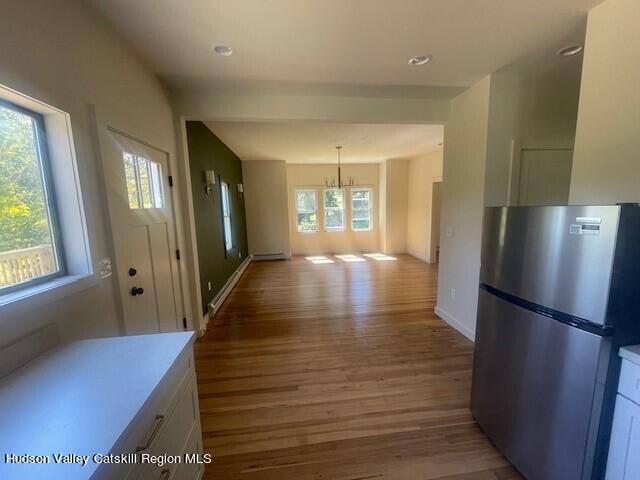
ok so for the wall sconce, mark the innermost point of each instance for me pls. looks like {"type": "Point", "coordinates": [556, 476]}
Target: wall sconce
{"type": "Point", "coordinates": [209, 180]}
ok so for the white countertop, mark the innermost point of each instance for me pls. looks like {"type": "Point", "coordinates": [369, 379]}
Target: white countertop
{"type": "Point", "coordinates": [79, 398]}
{"type": "Point", "coordinates": [631, 353]}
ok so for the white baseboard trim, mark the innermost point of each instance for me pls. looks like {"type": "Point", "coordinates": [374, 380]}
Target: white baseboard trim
{"type": "Point", "coordinates": [219, 299]}
{"type": "Point", "coordinates": [455, 323]}
{"type": "Point", "coordinates": [269, 256]}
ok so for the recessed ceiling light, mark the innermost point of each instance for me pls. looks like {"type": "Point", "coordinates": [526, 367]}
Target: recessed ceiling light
{"type": "Point", "coordinates": [420, 60]}
{"type": "Point", "coordinates": [223, 50]}
{"type": "Point", "coordinates": [570, 51]}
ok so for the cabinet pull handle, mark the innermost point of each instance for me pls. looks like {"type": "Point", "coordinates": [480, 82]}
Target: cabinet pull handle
{"type": "Point", "coordinates": [164, 474]}
{"type": "Point", "coordinates": [158, 423]}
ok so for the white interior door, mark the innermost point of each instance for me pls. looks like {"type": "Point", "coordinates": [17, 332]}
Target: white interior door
{"type": "Point", "coordinates": [141, 212]}
{"type": "Point", "coordinates": [545, 177]}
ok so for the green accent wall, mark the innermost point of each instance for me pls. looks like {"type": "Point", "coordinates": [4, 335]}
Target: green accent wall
{"type": "Point", "coordinates": [207, 152]}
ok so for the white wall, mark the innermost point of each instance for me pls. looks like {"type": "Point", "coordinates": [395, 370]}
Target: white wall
{"type": "Point", "coordinates": [606, 162]}
{"type": "Point", "coordinates": [266, 206]}
{"type": "Point", "coordinates": [58, 52]}
{"type": "Point", "coordinates": [423, 171]}
{"type": "Point", "coordinates": [347, 241]}
{"type": "Point", "coordinates": [465, 149]}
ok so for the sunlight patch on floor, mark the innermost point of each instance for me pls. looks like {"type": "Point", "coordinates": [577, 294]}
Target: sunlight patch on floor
{"type": "Point", "coordinates": [319, 259]}
{"type": "Point", "coordinates": [350, 258]}
{"type": "Point", "coordinates": [380, 257]}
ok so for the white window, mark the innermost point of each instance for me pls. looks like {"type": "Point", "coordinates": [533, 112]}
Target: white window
{"type": "Point", "coordinates": [361, 209]}
{"type": "Point", "coordinates": [30, 240]}
{"type": "Point", "coordinates": [334, 210]}
{"type": "Point", "coordinates": [226, 216]}
{"type": "Point", "coordinates": [144, 182]}
{"type": "Point", "coordinates": [306, 211]}
{"type": "Point", "coordinates": [44, 245]}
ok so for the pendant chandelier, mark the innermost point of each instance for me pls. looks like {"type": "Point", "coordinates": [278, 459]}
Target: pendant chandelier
{"type": "Point", "coordinates": [340, 184]}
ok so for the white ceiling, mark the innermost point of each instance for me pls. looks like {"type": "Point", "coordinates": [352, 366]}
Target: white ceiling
{"type": "Point", "coordinates": [355, 44]}
{"type": "Point", "coordinates": [315, 142]}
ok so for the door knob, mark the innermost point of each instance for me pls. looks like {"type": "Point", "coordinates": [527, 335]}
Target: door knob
{"type": "Point", "coordinates": [137, 291]}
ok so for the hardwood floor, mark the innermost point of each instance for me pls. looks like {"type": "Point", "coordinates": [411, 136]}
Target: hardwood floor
{"type": "Point", "coordinates": [339, 371]}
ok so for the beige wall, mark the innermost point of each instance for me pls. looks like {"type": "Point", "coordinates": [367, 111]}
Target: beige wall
{"type": "Point", "coordinates": [348, 241]}
{"type": "Point", "coordinates": [212, 104]}
{"type": "Point", "coordinates": [395, 200]}
{"type": "Point", "coordinates": [465, 149]}
{"type": "Point", "coordinates": [382, 204]}
{"type": "Point", "coordinates": [528, 109]}
{"type": "Point", "coordinates": [423, 172]}
{"type": "Point", "coordinates": [61, 54]}
{"type": "Point", "coordinates": [606, 162]}
{"type": "Point", "coordinates": [266, 207]}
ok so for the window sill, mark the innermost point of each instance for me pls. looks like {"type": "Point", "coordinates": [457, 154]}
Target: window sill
{"type": "Point", "coordinates": [38, 295]}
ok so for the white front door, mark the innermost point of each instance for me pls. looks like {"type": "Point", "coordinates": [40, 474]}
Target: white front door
{"type": "Point", "coordinates": [141, 212]}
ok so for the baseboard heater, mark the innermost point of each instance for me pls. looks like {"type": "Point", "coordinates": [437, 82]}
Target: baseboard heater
{"type": "Point", "coordinates": [270, 256]}
{"type": "Point", "coordinates": [219, 299]}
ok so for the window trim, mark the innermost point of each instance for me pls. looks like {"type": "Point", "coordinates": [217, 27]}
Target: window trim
{"type": "Point", "coordinates": [228, 239]}
{"type": "Point", "coordinates": [325, 208]}
{"type": "Point", "coordinates": [48, 184]}
{"type": "Point", "coordinates": [370, 209]}
{"type": "Point", "coordinates": [315, 210]}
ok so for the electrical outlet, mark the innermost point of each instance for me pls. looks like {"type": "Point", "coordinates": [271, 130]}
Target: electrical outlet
{"type": "Point", "coordinates": [209, 285]}
{"type": "Point", "coordinates": [239, 254]}
{"type": "Point", "coordinates": [453, 293]}
{"type": "Point", "coordinates": [104, 268]}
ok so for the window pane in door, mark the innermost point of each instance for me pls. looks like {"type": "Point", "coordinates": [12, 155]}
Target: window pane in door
{"type": "Point", "coordinates": [156, 184]}
{"type": "Point", "coordinates": [144, 182]}
{"type": "Point", "coordinates": [28, 249]}
{"type": "Point", "coordinates": [130, 177]}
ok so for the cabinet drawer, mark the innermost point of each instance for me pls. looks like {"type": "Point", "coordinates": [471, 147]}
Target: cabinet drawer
{"type": "Point", "coordinates": [629, 384]}
{"type": "Point", "coordinates": [153, 419]}
{"type": "Point", "coordinates": [624, 461]}
{"type": "Point", "coordinates": [191, 471]}
{"type": "Point", "coordinates": [173, 437]}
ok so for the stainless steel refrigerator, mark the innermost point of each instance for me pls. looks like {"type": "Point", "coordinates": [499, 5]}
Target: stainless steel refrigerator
{"type": "Point", "coordinates": [559, 293]}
